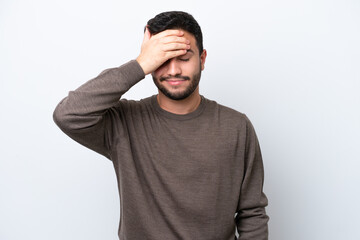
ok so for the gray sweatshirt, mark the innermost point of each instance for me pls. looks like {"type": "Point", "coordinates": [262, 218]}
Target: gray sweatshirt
{"type": "Point", "coordinates": [196, 176]}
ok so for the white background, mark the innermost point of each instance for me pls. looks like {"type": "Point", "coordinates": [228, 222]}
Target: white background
{"type": "Point", "coordinates": [291, 66]}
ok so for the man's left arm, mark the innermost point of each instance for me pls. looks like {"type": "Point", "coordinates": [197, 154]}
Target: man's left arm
{"type": "Point", "coordinates": [251, 219]}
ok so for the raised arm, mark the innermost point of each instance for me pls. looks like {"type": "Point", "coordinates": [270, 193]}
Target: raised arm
{"type": "Point", "coordinates": [86, 114]}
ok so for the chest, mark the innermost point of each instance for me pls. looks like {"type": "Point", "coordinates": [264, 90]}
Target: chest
{"type": "Point", "coordinates": [187, 149]}
{"type": "Point", "coordinates": [179, 163]}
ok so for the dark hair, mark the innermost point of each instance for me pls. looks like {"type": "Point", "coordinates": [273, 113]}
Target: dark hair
{"type": "Point", "coordinates": [176, 20]}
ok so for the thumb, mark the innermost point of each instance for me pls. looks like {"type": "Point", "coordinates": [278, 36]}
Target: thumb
{"type": "Point", "coordinates": [147, 35]}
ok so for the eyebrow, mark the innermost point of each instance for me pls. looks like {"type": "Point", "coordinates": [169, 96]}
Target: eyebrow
{"type": "Point", "coordinates": [191, 51]}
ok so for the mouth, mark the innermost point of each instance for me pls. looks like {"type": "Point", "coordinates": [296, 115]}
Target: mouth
{"type": "Point", "coordinates": [174, 81]}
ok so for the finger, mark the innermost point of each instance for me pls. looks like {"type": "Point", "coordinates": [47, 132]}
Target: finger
{"type": "Point", "coordinates": [147, 35]}
{"type": "Point", "coordinates": [175, 46]}
{"type": "Point", "coordinates": [174, 54]}
{"type": "Point", "coordinates": [170, 32]}
{"type": "Point", "coordinates": [175, 39]}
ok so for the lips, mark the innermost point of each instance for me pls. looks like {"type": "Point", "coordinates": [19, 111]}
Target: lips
{"type": "Point", "coordinates": [174, 78]}
{"type": "Point", "coordinates": [175, 82]}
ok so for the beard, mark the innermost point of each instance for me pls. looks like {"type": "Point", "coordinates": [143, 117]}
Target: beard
{"type": "Point", "coordinates": [178, 95]}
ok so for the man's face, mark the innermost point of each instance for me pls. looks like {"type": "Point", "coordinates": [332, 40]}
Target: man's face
{"type": "Point", "coordinates": [179, 77]}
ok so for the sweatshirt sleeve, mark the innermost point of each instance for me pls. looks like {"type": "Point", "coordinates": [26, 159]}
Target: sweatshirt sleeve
{"type": "Point", "coordinates": [86, 114]}
{"type": "Point", "coordinates": [251, 218]}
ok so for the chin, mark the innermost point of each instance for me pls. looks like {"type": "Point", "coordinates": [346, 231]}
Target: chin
{"type": "Point", "coordinates": [187, 91]}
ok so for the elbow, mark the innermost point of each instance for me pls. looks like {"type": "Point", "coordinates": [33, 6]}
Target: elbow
{"type": "Point", "coordinates": [70, 121]}
{"type": "Point", "coordinates": [59, 117]}
{"type": "Point", "coordinates": [63, 118]}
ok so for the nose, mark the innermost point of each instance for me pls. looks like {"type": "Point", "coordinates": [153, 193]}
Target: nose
{"type": "Point", "coordinates": [173, 67]}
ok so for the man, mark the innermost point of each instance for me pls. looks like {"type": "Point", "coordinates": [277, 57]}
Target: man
{"type": "Point", "coordinates": [187, 167]}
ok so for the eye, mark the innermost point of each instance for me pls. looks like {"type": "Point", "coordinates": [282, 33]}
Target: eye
{"type": "Point", "coordinates": [184, 60]}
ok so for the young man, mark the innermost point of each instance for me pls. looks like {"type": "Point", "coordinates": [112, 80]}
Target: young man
{"type": "Point", "coordinates": [187, 167]}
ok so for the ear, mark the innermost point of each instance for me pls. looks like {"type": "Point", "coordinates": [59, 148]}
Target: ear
{"type": "Point", "coordinates": [202, 59]}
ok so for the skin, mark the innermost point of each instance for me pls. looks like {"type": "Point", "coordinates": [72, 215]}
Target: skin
{"type": "Point", "coordinates": [173, 55]}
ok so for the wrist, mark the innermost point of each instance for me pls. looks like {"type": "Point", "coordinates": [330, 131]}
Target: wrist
{"type": "Point", "coordinates": [143, 65]}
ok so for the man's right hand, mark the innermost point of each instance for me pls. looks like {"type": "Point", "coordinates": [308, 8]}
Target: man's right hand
{"type": "Point", "coordinates": [157, 49]}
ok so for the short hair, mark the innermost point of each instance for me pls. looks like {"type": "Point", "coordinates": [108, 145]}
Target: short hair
{"type": "Point", "coordinates": [176, 20]}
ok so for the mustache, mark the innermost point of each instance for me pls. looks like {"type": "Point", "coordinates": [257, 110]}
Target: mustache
{"type": "Point", "coordinates": [180, 77]}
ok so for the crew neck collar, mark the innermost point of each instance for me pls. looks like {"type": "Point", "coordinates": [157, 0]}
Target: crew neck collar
{"type": "Point", "coordinates": [174, 116]}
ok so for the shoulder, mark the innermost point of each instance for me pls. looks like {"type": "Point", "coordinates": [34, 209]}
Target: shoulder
{"type": "Point", "coordinates": [133, 104]}
{"type": "Point", "coordinates": [132, 108]}
{"type": "Point", "coordinates": [227, 114]}
{"type": "Point", "coordinates": [230, 119]}
{"type": "Point", "coordinates": [235, 124]}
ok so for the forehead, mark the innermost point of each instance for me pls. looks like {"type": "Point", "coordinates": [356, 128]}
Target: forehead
{"type": "Point", "coordinates": [192, 40]}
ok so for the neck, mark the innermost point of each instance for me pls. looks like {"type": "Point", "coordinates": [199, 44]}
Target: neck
{"type": "Point", "coordinates": [183, 106]}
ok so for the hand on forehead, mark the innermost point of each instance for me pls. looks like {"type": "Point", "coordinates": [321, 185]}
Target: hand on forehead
{"type": "Point", "coordinates": [180, 36]}
{"type": "Point", "coordinates": [158, 48]}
